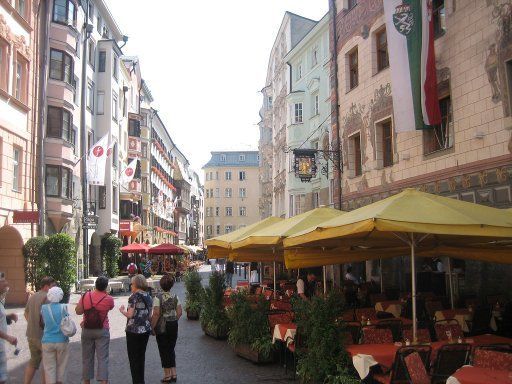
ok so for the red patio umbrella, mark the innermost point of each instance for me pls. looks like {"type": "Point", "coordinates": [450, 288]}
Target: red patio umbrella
{"type": "Point", "coordinates": [135, 248]}
{"type": "Point", "coordinates": [166, 249]}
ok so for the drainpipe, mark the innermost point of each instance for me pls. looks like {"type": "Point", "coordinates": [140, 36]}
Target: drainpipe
{"type": "Point", "coordinates": [44, 39]}
{"type": "Point", "coordinates": [335, 103]}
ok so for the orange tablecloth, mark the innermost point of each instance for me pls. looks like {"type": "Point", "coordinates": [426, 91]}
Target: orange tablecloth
{"type": "Point", "coordinates": [393, 306]}
{"type": "Point", "coordinates": [461, 315]}
{"type": "Point", "coordinates": [284, 332]}
{"type": "Point", "coordinates": [477, 375]}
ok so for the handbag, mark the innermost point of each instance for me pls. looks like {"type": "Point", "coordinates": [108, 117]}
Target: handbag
{"type": "Point", "coordinates": [67, 325]}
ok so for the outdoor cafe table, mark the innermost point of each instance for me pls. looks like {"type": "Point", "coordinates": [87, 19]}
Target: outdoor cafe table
{"type": "Point", "coordinates": [461, 315]}
{"type": "Point", "coordinates": [284, 332]}
{"type": "Point", "coordinates": [394, 307]}
{"type": "Point", "coordinates": [476, 375]}
{"type": "Point", "coordinates": [365, 356]}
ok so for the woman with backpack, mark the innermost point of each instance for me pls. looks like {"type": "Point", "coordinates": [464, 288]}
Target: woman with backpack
{"type": "Point", "coordinates": [95, 305]}
{"type": "Point", "coordinates": [54, 342]}
{"type": "Point", "coordinates": [166, 313]}
{"type": "Point", "coordinates": [138, 326]}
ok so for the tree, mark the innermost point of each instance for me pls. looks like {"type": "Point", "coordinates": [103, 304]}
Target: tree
{"type": "Point", "coordinates": [35, 262]}
{"type": "Point", "coordinates": [111, 252]}
{"type": "Point", "coordinates": [60, 253]}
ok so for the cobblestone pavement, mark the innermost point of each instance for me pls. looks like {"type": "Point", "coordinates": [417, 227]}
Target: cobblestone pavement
{"type": "Point", "coordinates": [200, 359]}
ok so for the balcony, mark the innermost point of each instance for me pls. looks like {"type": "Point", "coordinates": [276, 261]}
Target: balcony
{"type": "Point", "coordinates": [134, 145]}
{"type": "Point", "coordinates": [183, 206]}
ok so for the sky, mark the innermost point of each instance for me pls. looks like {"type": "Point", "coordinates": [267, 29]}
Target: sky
{"type": "Point", "coordinates": [205, 62]}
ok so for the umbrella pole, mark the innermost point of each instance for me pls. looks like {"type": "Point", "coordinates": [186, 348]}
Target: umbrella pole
{"type": "Point", "coordinates": [380, 273]}
{"type": "Point", "coordinates": [325, 280]}
{"type": "Point", "coordinates": [413, 290]}
{"type": "Point", "coordinates": [450, 281]}
{"type": "Point", "coordinates": [275, 287]}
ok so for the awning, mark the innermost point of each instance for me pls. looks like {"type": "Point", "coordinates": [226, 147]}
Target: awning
{"type": "Point", "coordinates": [166, 249]}
{"type": "Point", "coordinates": [135, 248]}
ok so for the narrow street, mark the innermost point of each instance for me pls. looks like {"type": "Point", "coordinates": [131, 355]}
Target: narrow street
{"type": "Point", "coordinates": [200, 359]}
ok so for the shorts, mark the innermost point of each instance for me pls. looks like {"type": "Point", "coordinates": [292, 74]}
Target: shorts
{"type": "Point", "coordinates": [3, 364]}
{"type": "Point", "coordinates": [36, 352]}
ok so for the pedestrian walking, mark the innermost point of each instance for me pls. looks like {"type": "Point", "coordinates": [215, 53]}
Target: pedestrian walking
{"type": "Point", "coordinates": [138, 326]}
{"type": "Point", "coordinates": [212, 265]}
{"type": "Point", "coordinates": [95, 305]}
{"type": "Point", "coordinates": [167, 311]}
{"type": "Point", "coordinates": [35, 330]}
{"type": "Point", "coordinates": [230, 270]}
{"type": "Point", "coordinates": [54, 342]}
{"type": "Point", "coordinates": [4, 336]}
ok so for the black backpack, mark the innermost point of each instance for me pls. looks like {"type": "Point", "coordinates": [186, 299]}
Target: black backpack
{"type": "Point", "coordinates": [92, 317]}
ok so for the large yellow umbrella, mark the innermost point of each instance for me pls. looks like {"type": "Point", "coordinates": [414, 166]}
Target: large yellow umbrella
{"type": "Point", "coordinates": [255, 243]}
{"type": "Point", "coordinates": [412, 218]}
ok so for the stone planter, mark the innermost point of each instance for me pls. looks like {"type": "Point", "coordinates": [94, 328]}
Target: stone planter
{"type": "Point", "coordinates": [192, 315]}
{"type": "Point", "coordinates": [246, 352]}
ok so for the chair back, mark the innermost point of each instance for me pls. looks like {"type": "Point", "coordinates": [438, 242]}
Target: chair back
{"type": "Point", "coordinates": [450, 357]}
{"type": "Point", "coordinates": [416, 371]}
{"type": "Point", "coordinates": [445, 327]}
{"type": "Point", "coordinates": [398, 370]}
{"type": "Point", "coordinates": [279, 318]}
{"type": "Point", "coordinates": [394, 325]}
{"type": "Point", "coordinates": [422, 334]}
{"type": "Point", "coordinates": [373, 335]}
{"type": "Point", "coordinates": [493, 357]}
{"type": "Point", "coordinates": [367, 313]}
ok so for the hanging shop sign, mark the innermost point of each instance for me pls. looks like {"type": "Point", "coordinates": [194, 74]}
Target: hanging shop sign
{"type": "Point", "coordinates": [305, 164]}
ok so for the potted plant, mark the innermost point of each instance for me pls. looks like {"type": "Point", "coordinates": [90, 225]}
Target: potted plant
{"type": "Point", "coordinates": [193, 295]}
{"type": "Point", "coordinates": [60, 252]}
{"type": "Point", "coordinates": [249, 333]}
{"type": "Point", "coordinates": [213, 317]}
{"type": "Point", "coordinates": [111, 252]}
{"type": "Point", "coordinates": [321, 355]}
{"type": "Point", "coordinates": [35, 263]}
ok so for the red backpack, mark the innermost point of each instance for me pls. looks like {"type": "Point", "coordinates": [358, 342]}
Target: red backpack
{"type": "Point", "coordinates": [92, 317]}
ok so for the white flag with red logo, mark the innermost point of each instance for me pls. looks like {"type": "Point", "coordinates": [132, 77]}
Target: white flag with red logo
{"type": "Point", "coordinates": [128, 173]}
{"type": "Point", "coordinates": [96, 162]}
{"type": "Point", "coordinates": [110, 148]}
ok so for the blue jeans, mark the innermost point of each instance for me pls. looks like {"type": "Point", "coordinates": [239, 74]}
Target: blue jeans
{"type": "Point", "coordinates": [229, 279]}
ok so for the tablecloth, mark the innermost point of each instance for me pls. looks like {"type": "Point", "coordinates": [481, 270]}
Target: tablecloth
{"type": "Point", "coordinates": [365, 356]}
{"type": "Point", "coordinates": [285, 332]}
{"type": "Point", "coordinates": [394, 307]}
{"type": "Point", "coordinates": [461, 315]}
{"type": "Point", "coordinates": [477, 375]}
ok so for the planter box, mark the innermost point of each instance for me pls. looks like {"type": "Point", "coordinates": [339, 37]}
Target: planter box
{"type": "Point", "coordinates": [215, 335]}
{"type": "Point", "coordinates": [246, 352]}
{"type": "Point", "coordinates": [192, 315]}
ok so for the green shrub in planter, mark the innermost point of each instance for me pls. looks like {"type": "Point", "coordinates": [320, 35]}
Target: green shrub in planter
{"type": "Point", "coordinates": [111, 253]}
{"type": "Point", "coordinates": [195, 291]}
{"type": "Point", "coordinates": [60, 252]}
{"type": "Point", "coordinates": [35, 262]}
{"type": "Point", "coordinates": [322, 338]}
{"type": "Point", "coordinates": [249, 327]}
{"type": "Point", "coordinates": [214, 319]}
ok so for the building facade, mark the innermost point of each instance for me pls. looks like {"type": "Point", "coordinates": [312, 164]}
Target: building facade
{"type": "Point", "coordinates": [275, 118]}
{"type": "Point", "coordinates": [231, 199]}
{"type": "Point", "coordinates": [19, 71]}
{"type": "Point", "coordinates": [469, 155]}
{"type": "Point", "coordinates": [308, 123]}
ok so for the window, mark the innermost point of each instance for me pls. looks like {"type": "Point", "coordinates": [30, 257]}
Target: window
{"type": "Point", "coordinates": [439, 16]}
{"type": "Point", "coordinates": [145, 188]}
{"type": "Point", "coordinates": [16, 169]}
{"type": "Point", "coordinates": [115, 106]}
{"type": "Point", "coordinates": [90, 96]}
{"type": "Point", "coordinates": [314, 57]}
{"type": "Point", "coordinates": [59, 124]}
{"type": "Point", "coordinates": [387, 144]}
{"type": "Point", "coordinates": [381, 41]}
{"type": "Point", "coordinates": [90, 10]}
{"type": "Point", "coordinates": [217, 192]}
{"type": "Point", "coordinates": [217, 211]}
{"type": "Point", "coordinates": [115, 67]}
{"type": "Point", "coordinates": [297, 113]}
{"type": "Point", "coordinates": [144, 148]}
{"type": "Point", "coordinates": [300, 202]}
{"type": "Point", "coordinates": [228, 228]}
{"type": "Point", "coordinates": [269, 102]}
{"type": "Point", "coordinates": [241, 158]}
{"type": "Point", "coordinates": [100, 103]}
{"type": "Point", "coordinates": [98, 24]}
{"type": "Point", "coordinates": [58, 181]}
{"type": "Point", "coordinates": [207, 193]}
{"type": "Point", "coordinates": [316, 105]}
{"type": "Point", "coordinates": [316, 199]}
{"type": "Point", "coordinates": [64, 12]}
{"type": "Point", "coordinates": [242, 192]}
{"type": "Point", "coordinates": [228, 175]}
{"type": "Point", "coordinates": [21, 81]}
{"type": "Point", "coordinates": [440, 136]}
{"type": "Point", "coordinates": [209, 230]}
{"type": "Point", "coordinates": [102, 192]}
{"type": "Point", "coordinates": [217, 229]}
{"type": "Point", "coordinates": [92, 53]}
{"type": "Point", "coordinates": [241, 175]}
{"type": "Point", "coordinates": [353, 69]}
{"type": "Point", "coordinates": [4, 64]}
{"type": "Point", "coordinates": [508, 69]}
{"type": "Point", "coordinates": [228, 192]}
{"type": "Point", "coordinates": [21, 8]}
{"type": "Point", "coordinates": [229, 211]}
{"type": "Point", "coordinates": [243, 211]}
{"type": "Point", "coordinates": [61, 66]}
{"type": "Point", "coordinates": [223, 158]}
{"type": "Point", "coordinates": [358, 166]}
{"type": "Point", "coordinates": [102, 58]}
{"type": "Point", "coordinates": [76, 87]}
{"type": "Point", "coordinates": [115, 198]}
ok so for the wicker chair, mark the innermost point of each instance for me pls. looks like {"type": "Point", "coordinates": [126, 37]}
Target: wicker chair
{"type": "Point", "coordinates": [450, 357]}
